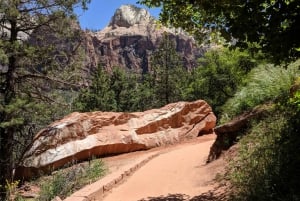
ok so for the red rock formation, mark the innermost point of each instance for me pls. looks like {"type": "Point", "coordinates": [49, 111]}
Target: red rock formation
{"type": "Point", "coordinates": [227, 133]}
{"type": "Point", "coordinates": [130, 39]}
{"type": "Point", "coordinates": [79, 136]}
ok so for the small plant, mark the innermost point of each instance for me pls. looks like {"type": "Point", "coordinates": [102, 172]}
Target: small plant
{"type": "Point", "coordinates": [53, 187]}
{"type": "Point", "coordinates": [65, 182]}
{"type": "Point", "coordinates": [11, 189]}
{"type": "Point", "coordinates": [295, 100]}
{"type": "Point", "coordinates": [95, 170]}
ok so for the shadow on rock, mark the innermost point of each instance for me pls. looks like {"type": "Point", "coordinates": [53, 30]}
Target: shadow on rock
{"type": "Point", "coordinates": [182, 197]}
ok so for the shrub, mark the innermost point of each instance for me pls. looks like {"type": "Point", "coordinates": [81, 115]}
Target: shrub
{"type": "Point", "coordinates": [295, 95]}
{"type": "Point", "coordinates": [265, 83]}
{"type": "Point", "coordinates": [251, 172]}
{"type": "Point", "coordinates": [53, 187]}
{"type": "Point", "coordinates": [219, 75]}
{"type": "Point", "coordinates": [65, 182]}
{"type": "Point", "coordinates": [267, 166]}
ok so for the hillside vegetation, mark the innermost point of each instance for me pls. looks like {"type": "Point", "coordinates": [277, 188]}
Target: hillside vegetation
{"type": "Point", "coordinates": [255, 63]}
{"type": "Point", "coordinates": [267, 163]}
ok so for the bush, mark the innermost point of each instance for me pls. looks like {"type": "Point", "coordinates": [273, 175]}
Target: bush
{"type": "Point", "coordinates": [295, 95]}
{"type": "Point", "coordinates": [267, 166]}
{"type": "Point", "coordinates": [252, 171]}
{"type": "Point", "coordinates": [65, 182]}
{"type": "Point", "coordinates": [219, 75]}
{"type": "Point", "coordinates": [265, 83]}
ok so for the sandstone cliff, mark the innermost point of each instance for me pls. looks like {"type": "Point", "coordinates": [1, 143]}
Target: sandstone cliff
{"type": "Point", "coordinates": [127, 42]}
{"type": "Point", "coordinates": [130, 38]}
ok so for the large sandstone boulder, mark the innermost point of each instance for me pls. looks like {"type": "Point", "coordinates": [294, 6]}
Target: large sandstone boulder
{"type": "Point", "coordinates": [80, 136]}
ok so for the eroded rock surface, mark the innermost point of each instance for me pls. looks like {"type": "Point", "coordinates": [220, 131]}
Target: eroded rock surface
{"type": "Point", "coordinates": [80, 136]}
{"type": "Point", "coordinates": [130, 39]}
{"type": "Point", "coordinates": [129, 15]}
{"type": "Point", "coordinates": [227, 133]}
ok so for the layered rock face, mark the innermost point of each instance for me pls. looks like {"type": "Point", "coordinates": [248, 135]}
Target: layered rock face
{"type": "Point", "coordinates": [80, 136]}
{"type": "Point", "coordinates": [131, 37]}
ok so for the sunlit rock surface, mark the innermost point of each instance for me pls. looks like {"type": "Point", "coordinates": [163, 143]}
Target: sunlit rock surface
{"type": "Point", "coordinates": [80, 136]}
{"type": "Point", "coordinates": [130, 38]}
{"type": "Point", "coordinates": [129, 15]}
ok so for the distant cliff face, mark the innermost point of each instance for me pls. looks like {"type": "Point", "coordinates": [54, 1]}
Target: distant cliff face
{"type": "Point", "coordinates": [131, 37]}
{"type": "Point", "coordinates": [129, 15]}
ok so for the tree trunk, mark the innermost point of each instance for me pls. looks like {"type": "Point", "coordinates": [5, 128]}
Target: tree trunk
{"type": "Point", "coordinates": [6, 159]}
{"type": "Point", "coordinates": [7, 131]}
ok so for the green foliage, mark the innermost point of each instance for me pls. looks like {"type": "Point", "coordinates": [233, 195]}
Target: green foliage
{"type": "Point", "coordinates": [99, 96]}
{"type": "Point", "coordinates": [75, 178]}
{"type": "Point", "coordinates": [95, 170]}
{"type": "Point", "coordinates": [295, 100]}
{"type": "Point", "coordinates": [124, 86]}
{"type": "Point", "coordinates": [219, 75]}
{"type": "Point", "coordinates": [53, 187]}
{"type": "Point", "coordinates": [295, 94]}
{"type": "Point", "coordinates": [267, 164]}
{"type": "Point", "coordinates": [167, 72]}
{"type": "Point", "coordinates": [124, 91]}
{"type": "Point", "coordinates": [38, 49]}
{"type": "Point", "coordinates": [11, 189]}
{"type": "Point", "coordinates": [3, 56]}
{"type": "Point", "coordinates": [265, 83]}
{"type": "Point", "coordinates": [144, 94]}
{"type": "Point", "coordinates": [115, 91]}
{"type": "Point", "coordinates": [270, 24]}
{"type": "Point", "coordinates": [133, 97]}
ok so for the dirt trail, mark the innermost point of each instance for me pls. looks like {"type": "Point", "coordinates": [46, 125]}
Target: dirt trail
{"type": "Point", "coordinates": [179, 173]}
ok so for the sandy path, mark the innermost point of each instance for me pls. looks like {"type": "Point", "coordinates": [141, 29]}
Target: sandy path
{"type": "Point", "coordinates": [177, 171]}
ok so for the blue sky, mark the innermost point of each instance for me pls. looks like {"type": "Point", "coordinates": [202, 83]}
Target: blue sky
{"type": "Point", "coordinates": [100, 12]}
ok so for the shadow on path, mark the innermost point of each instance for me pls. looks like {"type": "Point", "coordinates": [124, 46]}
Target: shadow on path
{"type": "Point", "coordinates": [182, 197]}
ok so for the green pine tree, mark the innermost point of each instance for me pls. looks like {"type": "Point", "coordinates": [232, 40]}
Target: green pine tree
{"type": "Point", "coordinates": [31, 58]}
{"type": "Point", "coordinates": [124, 85]}
{"type": "Point", "coordinates": [99, 96]}
{"type": "Point", "coordinates": [219, 75]}
{"type": "Point", "coordinates": [168, 73]}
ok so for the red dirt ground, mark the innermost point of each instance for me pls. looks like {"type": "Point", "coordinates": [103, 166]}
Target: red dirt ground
{"type": "Point", "coordinates": [179, 173]}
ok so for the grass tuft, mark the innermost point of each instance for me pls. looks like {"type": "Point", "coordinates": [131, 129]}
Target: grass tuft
{"type": "Point", "coordinates": [63, 183]}
{"type": "Point", "coordinates": [265, 83]}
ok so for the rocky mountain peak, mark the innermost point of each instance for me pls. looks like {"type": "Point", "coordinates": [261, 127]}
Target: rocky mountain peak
{"type": "Point", "coordinates": [130, 40]}
{"type": "Point", "coordinates": [129, 15]}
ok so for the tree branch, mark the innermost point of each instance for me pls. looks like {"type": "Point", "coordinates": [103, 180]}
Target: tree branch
{"type": "Point", "coordinates": [27, 10]}
{"type": "Point", "coordinates": [38, 95]}
{"type": "Point", "coordinates": [43, 77]}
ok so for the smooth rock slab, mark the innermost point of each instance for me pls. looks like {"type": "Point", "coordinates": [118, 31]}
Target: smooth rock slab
{"type": "Point", "coordinates": [80, 136]}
